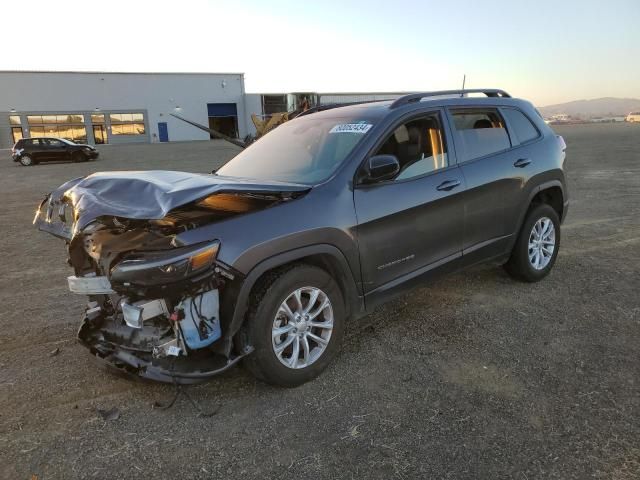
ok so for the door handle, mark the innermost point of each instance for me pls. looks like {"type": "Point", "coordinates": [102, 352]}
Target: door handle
{"type": "Point", "coordinates": [448, 185]}
{"type": "Point", "coordinates": [522, 162]}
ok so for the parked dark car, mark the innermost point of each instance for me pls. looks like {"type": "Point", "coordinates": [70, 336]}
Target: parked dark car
{"type": "Point", "coordinates": [31, 151]}
{"type": "Point", "coordinates": [316, 223]}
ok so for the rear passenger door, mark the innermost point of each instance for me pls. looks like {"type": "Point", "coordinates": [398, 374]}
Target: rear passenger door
{"type": "Point", "coordinates": [482, 149]}
{"type": "Point", "coordinates": [36, 148]}
{"type": "Point", "coordinates": [528, 159]}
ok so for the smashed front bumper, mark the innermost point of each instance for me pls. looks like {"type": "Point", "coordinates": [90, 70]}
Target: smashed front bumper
{"type": "Point", "coordinates": [197, 367]}
{"type": "Point", "coordinates": [167, 340]}
{"type": "Point", "coordinates": [180, 371]}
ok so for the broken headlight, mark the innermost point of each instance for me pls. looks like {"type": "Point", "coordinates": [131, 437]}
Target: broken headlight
{"type": "Point", "coordinates": [148, 269]}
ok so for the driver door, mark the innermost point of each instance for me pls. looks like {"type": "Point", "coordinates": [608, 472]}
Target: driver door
{"type": "Point", "coordinates": [414, 222]}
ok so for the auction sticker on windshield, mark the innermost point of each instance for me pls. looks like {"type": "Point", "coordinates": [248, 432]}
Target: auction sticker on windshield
{"type": "Point", "coordinates": [351, 128]}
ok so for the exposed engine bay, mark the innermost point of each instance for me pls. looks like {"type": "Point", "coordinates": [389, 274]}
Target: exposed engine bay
{"type": "Point", "coordinates": [154, 307]}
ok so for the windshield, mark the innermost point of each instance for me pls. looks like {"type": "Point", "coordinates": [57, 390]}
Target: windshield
{"type": "Point", "coordinates": [68, 142]}
{"type": "Point", "coordinates": [305, 150]}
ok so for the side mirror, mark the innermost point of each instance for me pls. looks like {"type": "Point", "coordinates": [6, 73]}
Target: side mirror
{"type": "Point", "coordinates": [382, 167]}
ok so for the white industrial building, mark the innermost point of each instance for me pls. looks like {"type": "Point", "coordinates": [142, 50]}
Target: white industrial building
{"type": "Point", "coordinates": [101, 107]}
{"type": "Point", "coordinates": [115, 108]}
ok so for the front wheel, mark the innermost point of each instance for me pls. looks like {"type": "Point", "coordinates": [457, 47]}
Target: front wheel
{"type": "Point", "coordinates": [78, 157]}
{"type": "Point", "coordinates": [295, 323]}
{"type": "Point", "coordinates": [536, 248]}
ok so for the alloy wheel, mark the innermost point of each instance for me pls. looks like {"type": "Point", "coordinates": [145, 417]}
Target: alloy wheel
{"type": "Point", "coordinates": [542, 243]}
{"type": "Point", "coordinates": [302, 327]}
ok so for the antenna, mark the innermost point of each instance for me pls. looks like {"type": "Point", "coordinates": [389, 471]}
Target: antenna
{"type": "Point", "coordinates": [464, 81]}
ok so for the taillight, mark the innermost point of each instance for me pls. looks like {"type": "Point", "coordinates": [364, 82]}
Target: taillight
{"type": "Point", "coordinates": [563, 148]}
{"type": "Point", "coordinates": [563, 145]}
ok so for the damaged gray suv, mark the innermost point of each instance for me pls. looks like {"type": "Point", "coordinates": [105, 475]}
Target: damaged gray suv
{"type": "Point", "coordinates": [316, 223]}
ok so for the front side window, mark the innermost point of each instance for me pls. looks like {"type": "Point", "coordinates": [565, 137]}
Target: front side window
{"type": "Point", "coordinates": [521, 128]}
{"type": "Point", "coordinates": [54, 142]}
{"type": "Point", "coordinates": [419, 147]}
{"type": "Point", "coordinates": [479, 132]}
{"type": "Point", "coordinates": [305, 150]}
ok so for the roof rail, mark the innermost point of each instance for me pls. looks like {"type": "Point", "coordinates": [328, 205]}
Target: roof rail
{"type": "Point", "coordinates": [416, 97]}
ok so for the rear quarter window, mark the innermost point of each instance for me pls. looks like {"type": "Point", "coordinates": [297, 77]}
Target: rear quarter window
{"type": "Point", "coordinates": [521, 128]}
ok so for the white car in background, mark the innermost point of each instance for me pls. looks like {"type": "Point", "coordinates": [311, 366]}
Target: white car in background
{"type": "Point", "coordinates": [633, 117]}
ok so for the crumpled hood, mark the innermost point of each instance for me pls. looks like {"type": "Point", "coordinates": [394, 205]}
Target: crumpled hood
{"type": "Point", "coordinates": [147, 195]}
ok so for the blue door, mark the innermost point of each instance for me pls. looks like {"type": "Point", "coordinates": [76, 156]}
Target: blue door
{"type": "Point", "coordinates": [163, 132]}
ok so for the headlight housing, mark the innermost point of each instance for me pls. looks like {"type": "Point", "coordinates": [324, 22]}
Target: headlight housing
{"type": "Point", "coordinates": [159, 268]}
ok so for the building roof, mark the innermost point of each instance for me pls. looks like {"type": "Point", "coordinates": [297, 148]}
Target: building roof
{"type": "Point", "coordinates": [101, 72]}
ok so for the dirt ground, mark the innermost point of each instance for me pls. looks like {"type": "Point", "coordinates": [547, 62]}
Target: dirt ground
{"type": "Point", "coordinates": [475, 376]}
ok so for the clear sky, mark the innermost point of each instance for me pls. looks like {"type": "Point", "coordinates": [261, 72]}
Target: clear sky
{"type": "Point", "coordinates": [548, 51]}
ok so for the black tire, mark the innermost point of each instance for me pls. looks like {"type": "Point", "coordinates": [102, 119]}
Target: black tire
{"type": "Point", "coordinates": [26, 161]}
{"type": "Point", "coordinates": [264, 304]}
{"type": "Point", "coordinates": [78, 157]}
{"type": "Point", "coordinates": [518, 266]}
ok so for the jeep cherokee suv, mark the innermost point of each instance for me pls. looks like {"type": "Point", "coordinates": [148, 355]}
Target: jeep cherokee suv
{"type": "Point", "coordinates": [316, 223]}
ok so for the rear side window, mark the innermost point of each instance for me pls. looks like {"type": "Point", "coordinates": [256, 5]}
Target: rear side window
{"type": "Point", "coordinates": [479, 132]}
{"type": "Point", "coordinates": [521, 128]}
{"type": "Point", "coordinates": [32, 142]}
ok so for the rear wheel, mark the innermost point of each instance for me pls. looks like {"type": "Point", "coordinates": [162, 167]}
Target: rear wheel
{"type": "Point", "coordinates": [295, 323]}
{"type": "Point", "coordinates": [536, 248]}
{"type": "Point", "coordinates": [26, 160]}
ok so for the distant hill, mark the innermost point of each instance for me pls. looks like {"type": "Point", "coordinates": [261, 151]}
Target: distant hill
{"type": "Point", "coordinates": [599, 107]}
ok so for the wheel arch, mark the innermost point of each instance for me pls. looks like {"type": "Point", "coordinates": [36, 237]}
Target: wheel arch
{"type": "Point", "coordinates": [552, 193]}
{"type": "Point", "coordinates": [324, 256]}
